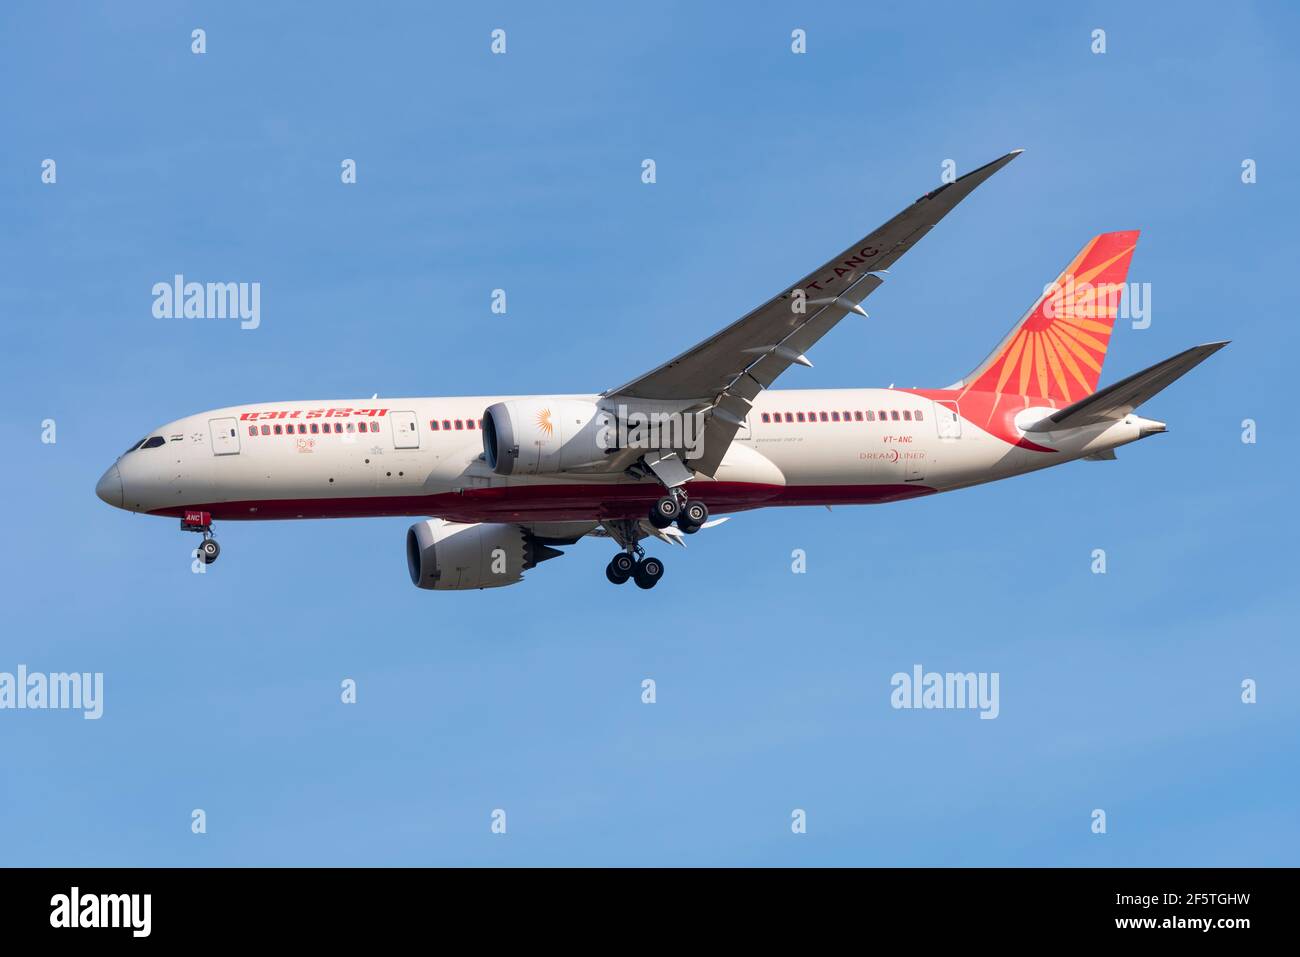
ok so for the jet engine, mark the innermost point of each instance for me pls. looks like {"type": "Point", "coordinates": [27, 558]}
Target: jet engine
{"type": "Point", "coordinates": [545, 436]}
{"type": "Point", "coordinates": [451, 556]}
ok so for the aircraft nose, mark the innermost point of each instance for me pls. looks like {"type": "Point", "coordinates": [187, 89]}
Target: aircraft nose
{"type": "Point", "coordinates": [109, 487]}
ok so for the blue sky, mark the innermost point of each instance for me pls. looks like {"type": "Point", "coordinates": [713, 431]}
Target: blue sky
{"type": "Point", "coordinates": [522, 172]}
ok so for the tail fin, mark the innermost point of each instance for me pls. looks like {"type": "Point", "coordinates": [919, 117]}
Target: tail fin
{"type": "Point", "coordinates": [1056, 350]}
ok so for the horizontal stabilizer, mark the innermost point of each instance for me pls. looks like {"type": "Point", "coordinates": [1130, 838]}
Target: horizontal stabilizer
{"type": "Point", "coordinates": [1118, 400]}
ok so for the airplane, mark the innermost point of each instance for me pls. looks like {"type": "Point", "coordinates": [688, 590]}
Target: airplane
{"type": "Point", "coordinates": [502, 483]}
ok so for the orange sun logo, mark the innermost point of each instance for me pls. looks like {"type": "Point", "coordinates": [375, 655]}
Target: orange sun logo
{"type": "Point", "coordinates": [544, 423]}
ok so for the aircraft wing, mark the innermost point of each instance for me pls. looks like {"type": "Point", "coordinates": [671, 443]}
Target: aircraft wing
{"type": "Point", "coordinates": [720, 377]}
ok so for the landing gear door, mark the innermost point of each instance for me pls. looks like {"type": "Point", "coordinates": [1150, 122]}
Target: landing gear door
{"type": "Point", "coordinates": [406, 430]}
{"type": "Point", "coordinates": [225, 436]}
{"type": "Point", "coordinates": [947, 419]}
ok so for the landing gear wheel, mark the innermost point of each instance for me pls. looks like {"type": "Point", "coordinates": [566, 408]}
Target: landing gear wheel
{"type": "Point", "coordinates": [693, 516]}
{"type": "Point", "coordinates": [620, 568]}
{"type": "Point", "coordinates": [664, 512]}
{"type": "Point", "coordinates": [648, 572]}
{"type": "Point", "coordinates": [209, 550]}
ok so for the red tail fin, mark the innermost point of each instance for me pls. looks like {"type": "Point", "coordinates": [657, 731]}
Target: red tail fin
{"type": "Point", "coordinates": [1057, 350]}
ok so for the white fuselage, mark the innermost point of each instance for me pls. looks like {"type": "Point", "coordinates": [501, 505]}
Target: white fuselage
{"type": "Point", "coordinates": [424, 456]}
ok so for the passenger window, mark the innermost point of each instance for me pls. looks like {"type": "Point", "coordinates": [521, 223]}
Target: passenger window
{"type": "Point", "coordinates": [789, 417]}
{"type": "Point", "coordinates": [252, 430]}
{"type": "Point", "coordinates": [279, 429]}
{"type": "Point", "coordinates": [315, 428]}
{"type": "Point", "coordinates": [871, 416]}
{"type": "Point", "coordinates": [835, 416]}
{"type": "Point", "coordinates": [907, 416]}
{"type": "Point", "coordinates": [266, 430]}
{"type": "Point", "coordinates": [798, 416]}
{"type": "Point", "coordinates": [433, 425]}
{"type": "Point", "coordinates": [374, 426]}
{"type": "Point", "coordinates": [469, 424]}
{"type": "Point", "coordinates": [459, 425]}
{"type": "Point", "coordinates": [857, 416]}
{"type": "Point", "coordinates": [824, 417]}
{"type": "Point", "coordinates": [338, 428]}
{"type": "Point", "coordinates": [894, 415]}
{"type": "Point", "coordinates": [766, 417]}
{"type": "Point", "coordinates": [917, 415]}
{"type": "Point", "coordinates": [446, 425]}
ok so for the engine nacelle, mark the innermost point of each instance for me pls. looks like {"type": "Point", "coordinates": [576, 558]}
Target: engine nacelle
{"type": "Point", "coordinates": [545, 436]}
{"type": "Point", "coordinates": [450, 556]}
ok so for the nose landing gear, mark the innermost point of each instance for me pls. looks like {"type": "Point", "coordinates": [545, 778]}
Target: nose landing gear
{"type": "Point", "coordinates": [208, 549]}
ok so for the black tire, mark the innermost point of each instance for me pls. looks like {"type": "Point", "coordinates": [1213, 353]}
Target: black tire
{"type": "Point", "coordinates": [695, 513]}
{"type": "Point", "coordinates": [209, 550]}
{"type": "Point", "coordinates": [648, 572]}
{"type": "Point", "coordinates": [686, 527]}
{"type": "Point", "coordinates": [623, 564]}
{"type": "Point", "coordinates": [614, 576]}
{"type": "Point", "coordinates": [665, 510]}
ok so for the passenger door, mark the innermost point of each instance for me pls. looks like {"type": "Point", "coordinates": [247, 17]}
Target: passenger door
{"type": "Point", "coordinates": [225, 436]}
{"type": "Point", "coordinates": [947, 419]}
{"type": "Point", "coordinates": [406, 430]}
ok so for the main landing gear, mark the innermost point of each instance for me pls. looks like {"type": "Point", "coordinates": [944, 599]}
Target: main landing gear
{"type": "Point", "coordinates": [674, 507]}
{"type": "Point", "coordinates": [208, 549]}
{"type": "Point", "coordinates": [632, 563]}
{"type": "Point", "coordinates": [646, 572]}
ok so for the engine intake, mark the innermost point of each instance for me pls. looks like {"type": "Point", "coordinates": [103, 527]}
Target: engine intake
{"type": "Point", "coordinates": [544, 436]}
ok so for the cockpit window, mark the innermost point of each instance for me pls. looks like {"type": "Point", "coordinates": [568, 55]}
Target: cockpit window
{"type": "Point", "coordinates": [153, 443]}
{"type": "Point", "coordinates": [134, 447]}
